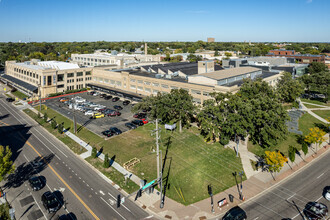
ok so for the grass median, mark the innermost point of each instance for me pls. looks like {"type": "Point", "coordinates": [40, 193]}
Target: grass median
{"type": "Point", "coordinates": [19, 94]}
{"type": "Point", "coordinates": [323, 113]}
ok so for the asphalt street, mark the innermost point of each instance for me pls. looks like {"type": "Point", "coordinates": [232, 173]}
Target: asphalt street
{"type": "Point", "coordinates": [86, 194]}
{"type": "Point", "coordinates": [288, 199]}
{"type": "Point", "coordinates": [95, 125]}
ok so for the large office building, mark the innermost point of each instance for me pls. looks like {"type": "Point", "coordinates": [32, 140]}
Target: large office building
{"type": "Point", "coordinates": [49, 76]}
{"type": "Point", "coordinates": [199, 79]}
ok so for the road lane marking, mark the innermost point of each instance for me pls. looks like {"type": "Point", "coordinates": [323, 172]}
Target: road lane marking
{"type": "Point", "coordinates": [102, 192]}
{"type": "Point", "coordinates": [39, 206]}
{"type": "Point", "coordinates": [320, 175]}
{"type": "Point", "coordinates": [113, 208]}
{"type": "Point", "coordinates": [121, 204]}
{"type": "Point", "coordinates": [319, 198]}
{"type": "Point", "coordinates": [63, 181]}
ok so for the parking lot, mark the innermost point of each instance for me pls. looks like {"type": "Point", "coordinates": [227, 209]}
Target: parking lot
{"type": "Point", "coordinates": [100, 124]}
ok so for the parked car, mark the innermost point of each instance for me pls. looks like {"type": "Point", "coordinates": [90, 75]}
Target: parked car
{"type": "Point", "coordinates": [115, 130]}
{"type": "Point", "coordinates": [117, 107]}
{"type": "Point", "coordinates": [37, 182]}
{"type": "Point", "coordinates": [114, 113]}
{"type": "Point", "coordinates": [50, 202]}
{"type": "Point", "coordinates": [96, 94]}
{"type": "Point", "coordinates": [107, 133]}
{"type": "Point", "coordinates": [10, 99]}
{"type": "Point", "coordinates": [115, 99]}
{"type": "Point", "coordinates": [103, 95]}
{"type": "Point", "coordinates": [90, 93]}
{"type": "Point", "coordinates": [69, 216]}
{"type": "Point", "coordinates": [138, 122]}
{"type": "Point", "coordinates": [140, 115]}
{"type": "Point", "coordinates": [145, 121]}
{"type": "Point", "coordinates": [99, 107]}
{"type": "Point", "coordinates": [92, 105]}
{"type": "Point", "coordinates": [126, 102]}
{"type": "Point", "coordinates": [326, 193]}
{"type": "Point", "coordinates": [64, 99]}
{"type": "Point", "coordinates": [235, 213]}
{"type": "Point", "coordinates": [108, 97]}
{"type": "Point", "coordinates": [103, 109]}
{"type": "Point", "coordinates": [89, 112]}
{"type": "Point", "coordinates": [315, 211]}
{"type": "Point", "coordinates": [98, 115]}
{"type": "Point", "coordinates": [130, 125]}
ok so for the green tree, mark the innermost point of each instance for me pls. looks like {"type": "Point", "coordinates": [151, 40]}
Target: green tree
{"type": "Point", "coordinates": [265, 116]}
{"type": "Point", "coordinates": [60, 128]}
{"type": "Point", "coordinates": [216, 53]}
{"type": "Point", "coordinates": [37, 55]}
{"type": "Point", "coordinates": [106, 162]}
{"type": "Point", "coordinates": [292, 153]}
{"type": "Point", "coordinates": [318, 82]}
{"type": "Point", "coordinates": [289, 89]}
{"type": "Point", "coordinates": [6, 165]}
{"type": "Point", "coordinates": [316, 67]}
{"type": "Point", "coordinates": [4, 211]}
{"type": "Point", "coordinates": [94, 152]}
{"type": "Point", "coordinates": [274, 160]}
{"type": "Point", "coordinates": [45, 117]}
{"type": "Point", "coordinates": [53, 124]}
{"type": "Point", "coordinates": [193, 58]}
{"type": "Point", "coordinates": [304, 148]}
{"type": "Point", "coordinates": [228, 54]}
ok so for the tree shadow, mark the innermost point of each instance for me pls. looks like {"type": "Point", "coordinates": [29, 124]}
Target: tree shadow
{"type": "Point", "coordinates": [99, 152]}
{"type": "Point", "coordinates": [112, 160]}
{"type": "Point", "coordinates": [4, 116]}
{"type": "Point", "coordinates": [26, 170]}
{"type": "Point", "coordinates": [85, 124]}
{"type": "Point", "coordinates": [322, 127]}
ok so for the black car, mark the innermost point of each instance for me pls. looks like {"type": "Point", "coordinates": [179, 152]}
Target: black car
{"type": "Point", "coordinates": [315, 211]}
{"type": "Point", "coordinates": [126, 102]}
{"type": "Point", "coordinates": [115, 130]}
{"type": "Point", "coordinates": [235, 213]}
{"type": "Point", "coordinates": [69, 216]}
{"type": "Point", "coordinates": [50, 202]}
{"type": "Point", "coordinates": [37, 182]}
{"type": "Point", "coordinates": [138, 122]}
{"type": "Point", "coordinates": [130, 125]}
{"type": "Point", "coordinates": [107, 97]}
{"type": "Point", "coordinates": [117, 107]}
{"type": "Point", "coordinates": [102, 95]}
{"type": "Point", "coordinates": [107, 133]}
{"type": "Point", "coordinates": [10, 99]}
{"type": "Point", "coordinates": [115, 99]}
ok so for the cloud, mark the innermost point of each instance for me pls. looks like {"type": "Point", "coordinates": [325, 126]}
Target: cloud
{"type": "Point", "coordinates": [194, 12]}
{"type": "Point", "coordinates": [309, 1]}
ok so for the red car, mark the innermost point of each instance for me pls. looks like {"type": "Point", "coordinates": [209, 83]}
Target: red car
{"type": "Point", "coordinates": [114, 113]}
{"type": "Point", "coordinates": [145, 121]}
{"type": "Point", "coordinates": [140, 115]}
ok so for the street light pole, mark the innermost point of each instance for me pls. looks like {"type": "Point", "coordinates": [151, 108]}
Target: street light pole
{"type": "Point", "coordinates": [241, 175]}
{"type": "Point", "coordinates": [39, 96]}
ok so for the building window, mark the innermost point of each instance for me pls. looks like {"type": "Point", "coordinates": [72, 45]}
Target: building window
{"type": "Point", "coordinates": [112, 82]}
{"type": "Point", "coordinates": [196, 100]}
{"type": "Point", "coordinates": [60, 77]}
{"type": "Point", "coordinates": [147, 83]}
{"type": "Point", "coordinates": [140, 88]}
{"type": "Point", "coordinates": [49, 80]}
{"type": "Point", "coordinates": [206, 94]}
{"type": "Point", "coordinates": [60, 86]}
{"type": "Point", "coordinates": [165, 86]}
{"type": "Point", "coordinates": [174, 87]}
{"type": "Point", "coordinates": [132, 80]}
{"type": "Point", "coordinates": [148, 90]}
{"type": "Point", "coordinates": [118, 83]}
{"type": "Point", "coordinates": [80, 74]}
{"type": "Point", "coordinates": [70, 75]}
{"type": "Point", "coordinates": [88, 73]}
{"type": "Point", "coordinates": [197, 92]}
{"type": "Point", "coordinates": [133, 87]}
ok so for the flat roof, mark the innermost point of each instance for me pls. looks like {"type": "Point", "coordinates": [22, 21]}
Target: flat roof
{"type": "Point", "coordinates": [264, 75]}
{"type": "Point", "coordinates": [58, 65]}
{"type": "Point", "coordinates": [227, 73]}
{"type": "Point", "coordinates": [31, 66]}
{"type": "Point", "coordinates": [25, 85]}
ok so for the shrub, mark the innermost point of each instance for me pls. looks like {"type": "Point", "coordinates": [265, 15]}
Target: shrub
{"type": "Point", "coordinates": [39, 116]}
{"type": "Point", "coordinates": [94, 152]}
{"type": "Point", "coordinates": [295, 104]}
{"type": "Point", "coordinates": [45, 117]}
{"type": "Point", "coordinates": [224, 140]}
{"type": "Point", "coordinates": [304, 147]}
{"type": "Point", "coordinates": [53, 124]}
{"type": "Point", "coordinates": [106, 163]}
{"type": "Point", "coordinates": [292, 153]}
{"type": "Point", "coordinates": [55, 94]}
{"type": "Point", "coordinates": [4, 211]}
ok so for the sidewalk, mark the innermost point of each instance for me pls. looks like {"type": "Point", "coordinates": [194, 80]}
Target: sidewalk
{"type": "Point", "coordinates": [304, 108]}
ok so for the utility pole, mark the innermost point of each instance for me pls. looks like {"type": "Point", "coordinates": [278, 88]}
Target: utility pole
{"type": "Point", "coordinates": [239, 192]}
{"type": "Point", "coordinates": [161, 183]}
{"type": "Point", "coordinates": [209, 189]}
{"type": "Point", "coordinates": [237, 142]}
{"type": "Point", "coordinates": [74, 116]}
{"type": "Point", "coordinates": [241, 195]}
{"type": "Point", "coordinates": [157, 145]}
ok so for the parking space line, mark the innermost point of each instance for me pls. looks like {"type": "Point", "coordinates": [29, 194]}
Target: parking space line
{"type": "Point", "coordinates": [113, 208]}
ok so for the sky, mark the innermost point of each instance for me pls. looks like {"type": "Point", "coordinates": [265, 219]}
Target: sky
{"type": "Point", "coordinates": [165, 20]}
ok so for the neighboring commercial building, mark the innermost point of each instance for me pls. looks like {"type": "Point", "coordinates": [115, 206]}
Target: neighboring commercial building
{"type": "Point", "coordinates": [50, 76]}
{"type": "Point", "coordinates": [105, 59]}
{"type": "Point", "coordinates": [210, 39]}
{"type": "Point", "coordinates": [281, 52]}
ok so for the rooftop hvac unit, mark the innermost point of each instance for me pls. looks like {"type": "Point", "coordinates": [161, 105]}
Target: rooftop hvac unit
{"type": "Point", "coordinates": [167, 76]}
{"type": "Point", "coordinates": [175, 74]}
{"type": "Point", "coordinates": [158, 76]}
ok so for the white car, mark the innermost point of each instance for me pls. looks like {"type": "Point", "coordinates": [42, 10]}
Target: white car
{"type": "Point", "coordinates": [99, 107]}
{"type": "Point", "coordinates": [89, 112]}
{"type": "Point", "coordinates": [93, 105]}
{"type": "Point", "coordinates": [96, 94]}
{"type": "Point", "coordinates": [327, 193]}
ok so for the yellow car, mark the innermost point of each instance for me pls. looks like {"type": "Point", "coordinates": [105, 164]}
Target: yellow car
{"type": "Point", "coordinates": [98, 115]}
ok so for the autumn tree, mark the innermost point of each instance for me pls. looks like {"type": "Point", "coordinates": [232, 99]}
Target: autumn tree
{"type": "Point", "coordinates": [274, 160]}
{"type": "Point", "coordinates": [6, 165]}
{"type": "Point", "coordinates": [315, 136]}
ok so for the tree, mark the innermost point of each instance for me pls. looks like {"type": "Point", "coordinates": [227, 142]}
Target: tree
{"type": "Point", "coordinates": [265, 116]}
{"type": "Point", "coordinates": [106, 162]}
{"type": "Point", "coordinates": [228, 54]}
{"type": "Point", "coordinates": [316, 67]}
{"type": "Point", "coordinates": [45, 117]}
{"type": "Point", "coordinates": [292, 153]}
{"type": "Point", "coordinates": [6, 165]}
{"type": "Point", "coordinates": [315, 136]}
{"type": "Point", "coordinates": [216, 53]}
{"type": "Point", "coordinates": [53, 124]}
{"type": "Point", "coordinates": [94, 152]}
{"type": "Point", "coordinates": [318, 82]}
{"type": "Point", "coordinates": [289, 89]}
{"type": "Point", "coordinates": [274, 160]}
{"type": "Point", "coordinates": [178, 51]}
{"type": "Point", "coordinates": [304, 148]}
{"type": "Point", "coordinates": [60, 128]}
{"type": "Point", "coordinates": [193, 58]}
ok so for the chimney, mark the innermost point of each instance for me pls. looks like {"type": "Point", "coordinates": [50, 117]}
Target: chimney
{"type": "Point", "coordinates": [145, 49]}
{"type": "Point", "coordinates": [205, 66]}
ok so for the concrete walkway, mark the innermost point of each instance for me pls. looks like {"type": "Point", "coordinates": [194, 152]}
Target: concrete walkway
{"type": "Point", "coordinates": [312, 113]}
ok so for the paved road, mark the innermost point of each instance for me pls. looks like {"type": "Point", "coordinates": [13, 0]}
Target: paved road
{"type": "Point", "coordinates": [289, 198]}
{"type": "Point", "coordinates": [87, 194]}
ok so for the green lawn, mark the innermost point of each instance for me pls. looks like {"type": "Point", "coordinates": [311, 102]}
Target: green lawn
{"type": "Point", "coordinates": [315, 102]}
{"type": "Point", "coordinates": [305, 122]}
{"type": "Point", "coordinates": [191, 163]}
{"type": "Point", "coordinates": [19, 94]}
{"type": "Point", "coordinates": [313, 106]}
{"type": "Point", "coordinates": [323, 113]}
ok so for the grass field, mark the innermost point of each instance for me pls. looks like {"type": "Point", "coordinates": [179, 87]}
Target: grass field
{"type": "Point", "coordinates": [305, 122]}
{"type": "Point", "coordinates": [315, 102]}
{"type": "Point", "coordinates": [19, 94]}
{"type": "Point", "coordinates": [190, 166]}
{"type": "Point", "coordinates": [313, 106]}
{"type": "Point", "coordinates": [323, 113]}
